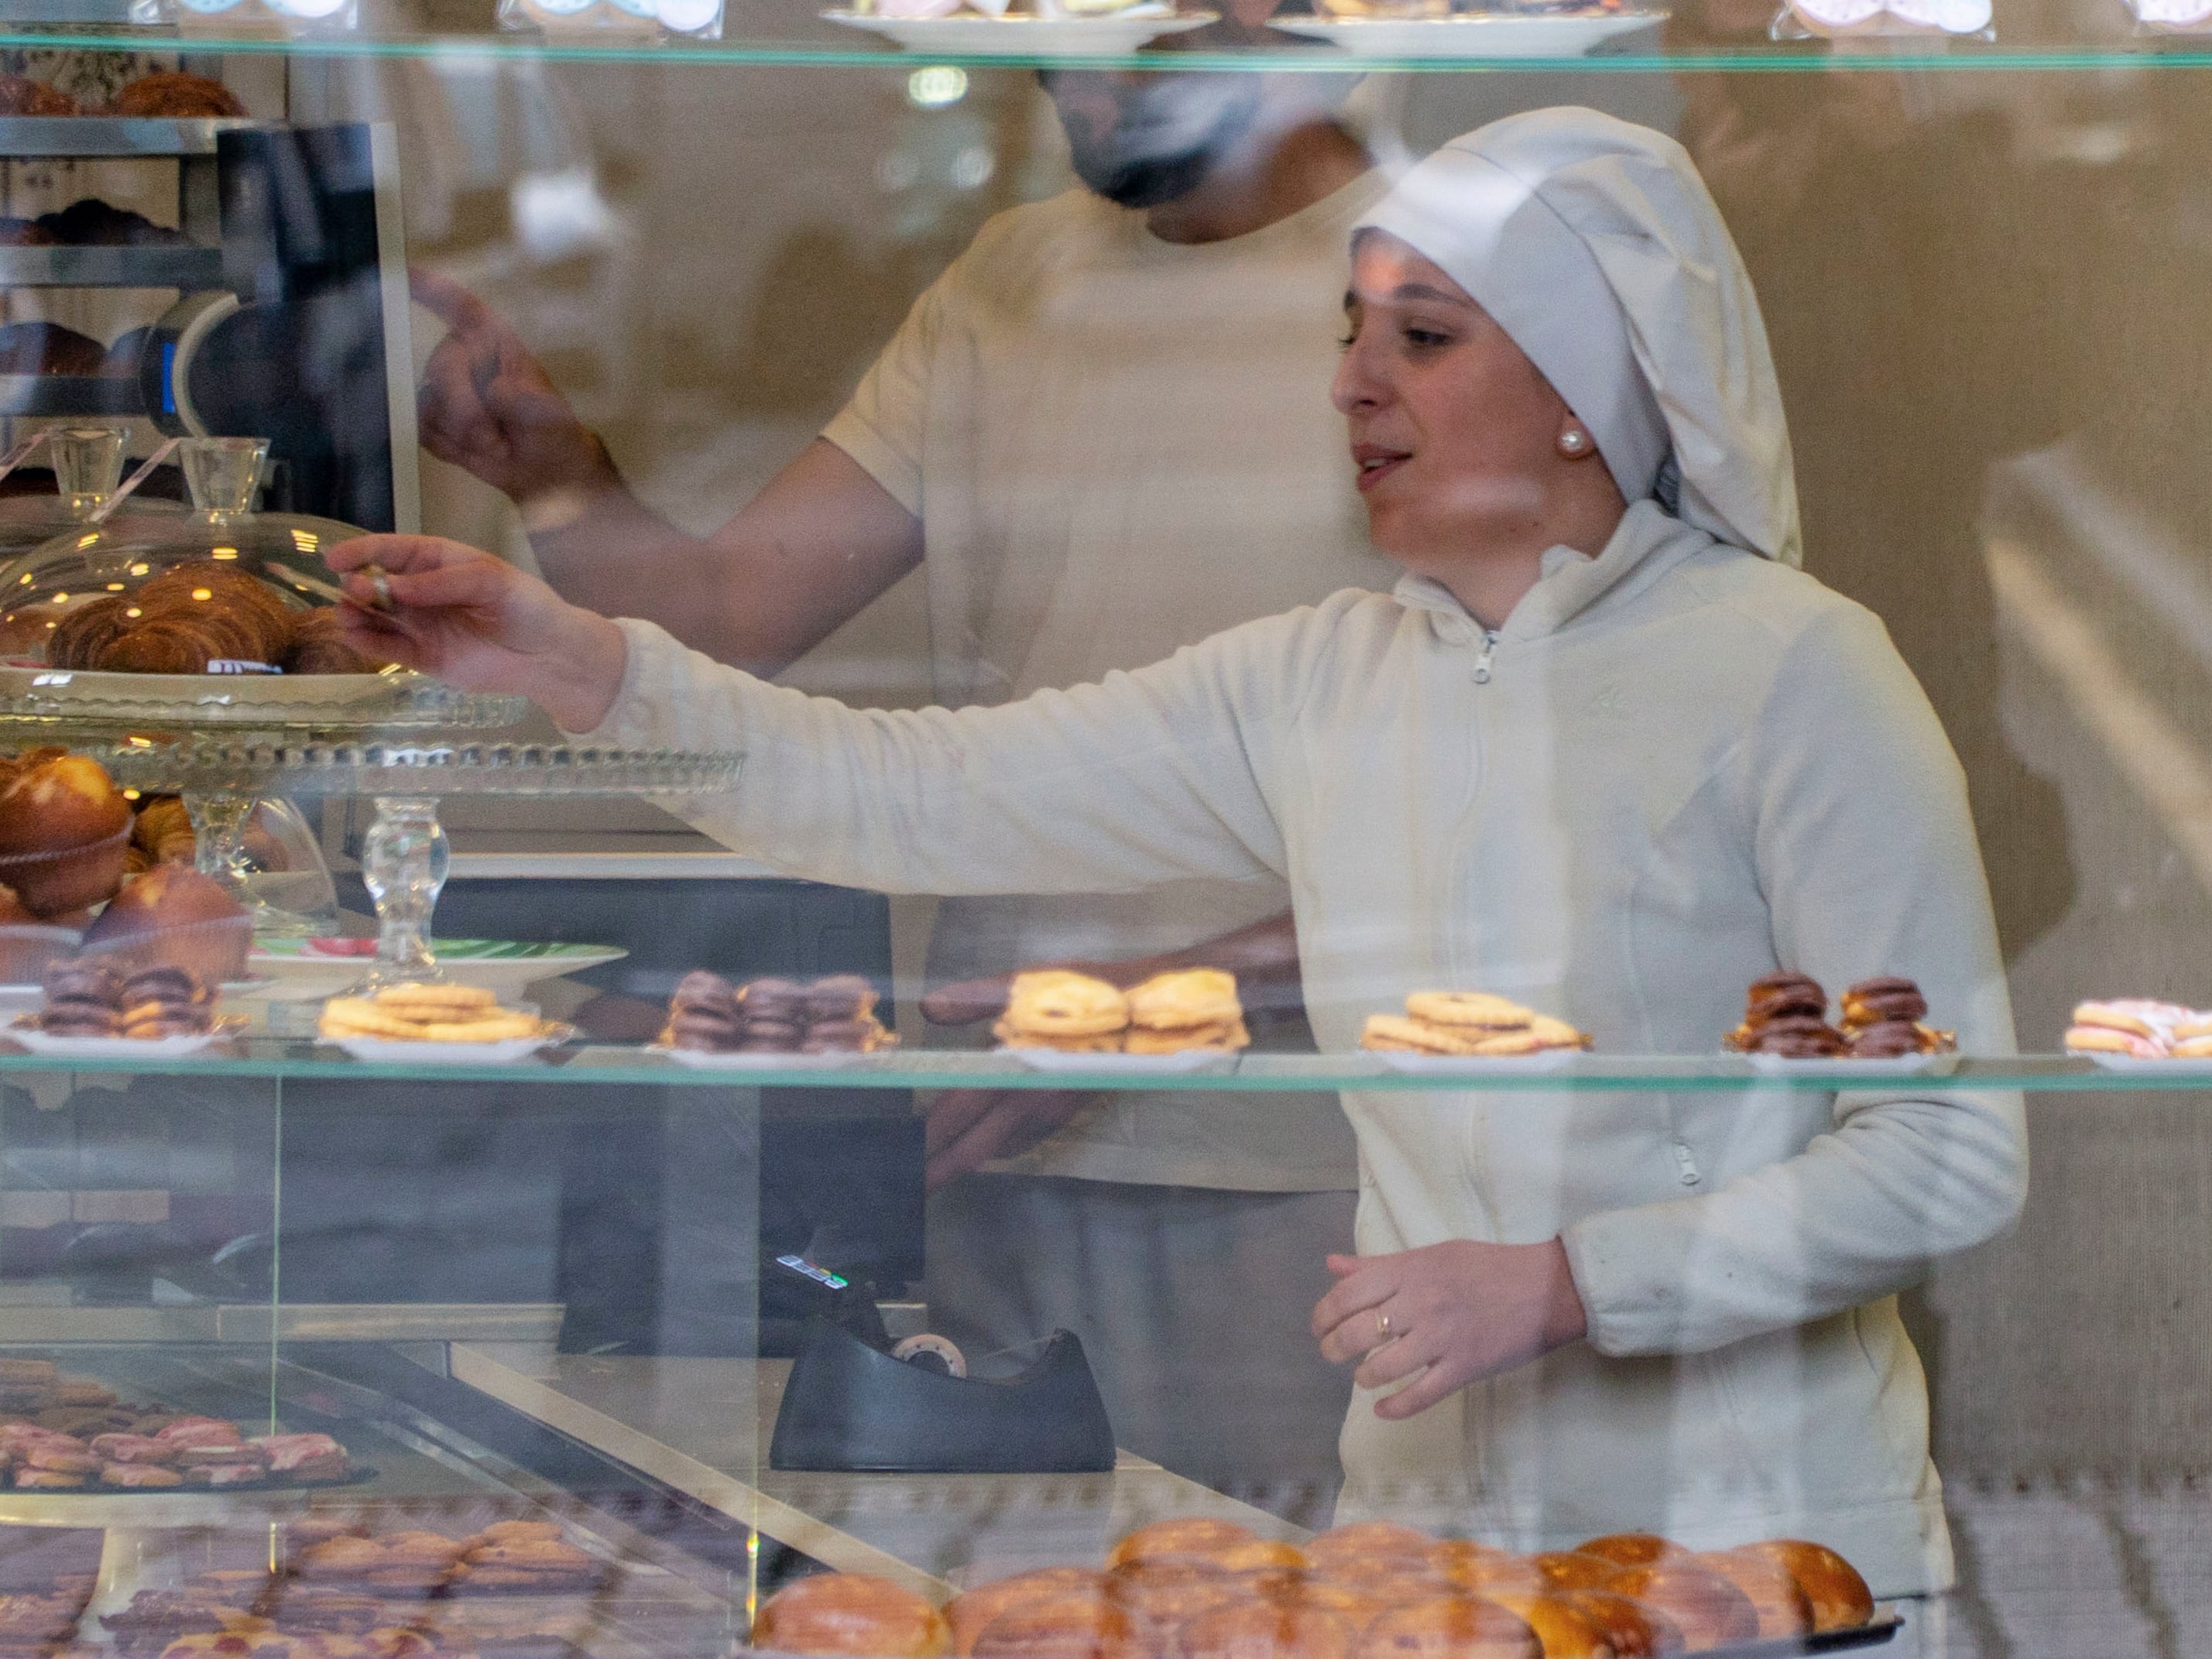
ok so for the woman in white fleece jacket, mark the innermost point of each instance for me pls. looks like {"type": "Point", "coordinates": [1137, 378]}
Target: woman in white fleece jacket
{"type": "Point", "coordinates": [1603, 750]}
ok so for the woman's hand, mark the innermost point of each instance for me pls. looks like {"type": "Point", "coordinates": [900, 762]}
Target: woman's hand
{"type": "Point", "coordinates": [480, 624]}
{"type": "Point", "coordinates": [1451, 1312]}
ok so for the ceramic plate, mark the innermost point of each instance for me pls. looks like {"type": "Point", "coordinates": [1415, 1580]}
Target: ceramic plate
{"type": "Point", "coordinates": [1184, 1060]}
{"type": "Point", "coordinates": [306, 969]}
{"type": "Point", "coordinates": [1897, 1066]}
{"type": "Point", "coordinates": [966, 35]}
{"type": "Point", "coordinates": [391, 1051]}
{"type": "Point", "coordinates": [114, 1047]}
{"type": "Point", "coordinates": [1495, 35]}
{"type": "Point", "coordinates": [2152, 1063]}
{"type": "Point", "coordinates": [1543, 1060]}
{"type": "Point", "coordinates": [700, 1061]}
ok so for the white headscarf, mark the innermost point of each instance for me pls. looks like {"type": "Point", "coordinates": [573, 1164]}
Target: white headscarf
{"type": "Point", "coordinates": [1595, 246]}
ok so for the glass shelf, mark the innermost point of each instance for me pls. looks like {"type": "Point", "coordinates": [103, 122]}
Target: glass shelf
{"type": "Point", "coordinates": [822, 45]}
{"type": "Point", "coordinates": [1249, 1073]}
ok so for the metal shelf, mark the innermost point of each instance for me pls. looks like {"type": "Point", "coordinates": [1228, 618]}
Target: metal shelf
{"type": "Point", "coordinates": [178, 267]}
{"type": "Point", "coordinates": [110, 135]}
{"type": "Point", "coordinates": [70, 394]}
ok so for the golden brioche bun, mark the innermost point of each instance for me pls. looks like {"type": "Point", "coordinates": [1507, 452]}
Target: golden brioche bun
{"type": "Point", "coordinates": [1572, 1570]}
{"type": "Point", "coordinates": [1705, 1607]}
{"type": "Point", "coordinates": [1450, 1627]}
{"type": "Point", "coordinates": [851, 1613]}
{"type": "Point", "coordinates": [1366, 1538]}
{"type": "Point", "coordinates": [1357, 1608]}
{"type": "Point", "coordinates": [1478, 1575]}
{"type": "Point", "coordinates": [1267, 1630]}
{"type": "Point", "coordinates": [64, 834]}
{"type": "Point", "coordinates": [1192, 1535]}
{"type": "Point", "coordinates": [1633, 1549]}
{"type": "Point", "coordinates": [1260, 1555]}
{"type": "Point", "coordinates": [174, 916]}
{"type": "Point", "coordinates": [1161, 1594]}
{"type": "Point", "coordinates": [969, 1612]}
{"type": "Point", "coordinates": [1564, 1630]}
{"type": "Point", "coordinates": [1454, 1553]}
{"type": "Point", "coordinates": [1839, 1597]}
{"type": "Point", "coordinates": [1636, 1630]}
{"type": "Point", "coordinates": [1782, 1607]}
{"type": "Point", "coordinates": [1075, 1623]}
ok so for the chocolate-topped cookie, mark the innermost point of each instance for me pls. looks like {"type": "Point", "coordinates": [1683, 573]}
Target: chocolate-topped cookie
{"type": "Point", "coordinates": [774, 1033]}
{"type": "Point", "coordinates": [1797, 1036]}
{"type": "Point", "coordinates": [701, 989]}
{"type": "Point", "coordinates": [1775, 983]}
{"type": "Point", "coordinates": [773, 998]}
{"type": "Point", "coordinates": [1889, 1040]}
{"type": "Point", "coordinates": [1786, 1002]}
{"type": "Point", "coordinates": [707, 1029]}
{"type": "Point", "coordinates": [84, 980]}
{"type": "Point", "coordinates": [840, 1035]}
{"type": "Point", "coordinates": [165, 984]}
{"type": "Point", "coordinates": [841, 996]}
{"type": "Point", "coordinates": [1877, 1001]}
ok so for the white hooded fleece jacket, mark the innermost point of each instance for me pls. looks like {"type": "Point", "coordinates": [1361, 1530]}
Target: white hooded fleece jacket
{"type": "Point", "coordinates": [1676, 767]}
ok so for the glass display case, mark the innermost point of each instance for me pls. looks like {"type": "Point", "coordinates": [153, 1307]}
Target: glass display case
{"type": "Point", "coordinates": [975, 1181]}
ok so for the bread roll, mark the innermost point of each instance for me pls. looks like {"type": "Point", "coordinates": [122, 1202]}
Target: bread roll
{"type": "Point", "coordinates": [1572, 1570]}
{"type": "Point", "coordinates": [1450, 1627]}
{"type": "Point", "coordinates": [1782, 1607]}
{"type": "Point", "coordinates": [1260, 1555]}
{"type": "Point", "coordinates": [1838, 1596]}
{"type": "Point", "coordinates": [175, 95]}
{"type": "Point", "coordinates": [1192, 1535]}
{"type": "Point", "coordinates": [1364, 1538]}
{"type": "Point", "coordinates": [174, 916]}
{"type": "Point", "coordinates": [1705, 1607]}
{"type": "Point", "coordinates": [1267, 1630]}
{"type": "Point", "coordinates": [850, 1613]}
{"type": "Point", "coordinates": [1355, 1607]}
{"type": "Point", "coordinates": [1636, 1630]}
{"type": "Point", "coordinates": [1633, 1549]}
{"type": "Point", "coordinates": [1161, 1594]}
{"type": "Point", "coordinates": [1478, 1575]}
{"type": "Point", "coordinates": [1564, 1630]}
{"type": "Point", "coordinates": [20, 95]}
{"type": "Point", "coordinates": [1075, 1624]}
{"type": "Point", "coordinates": [968, 1613]}
{"type": "Point", "coordinates": [1456, 1555]}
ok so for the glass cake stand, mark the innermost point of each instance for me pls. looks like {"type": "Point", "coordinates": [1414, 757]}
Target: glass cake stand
{"type": "Point", "coordinates": [403, 856]}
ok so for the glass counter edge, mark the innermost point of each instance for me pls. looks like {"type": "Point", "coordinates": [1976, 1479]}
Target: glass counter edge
{"type": "Point", "coordinates": [2147, 52]}
{"type": "Point", "coordinates": [928, 1070]}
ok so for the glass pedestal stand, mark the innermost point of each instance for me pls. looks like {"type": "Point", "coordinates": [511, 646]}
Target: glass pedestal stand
{"type": "Point", "coordinates": [250, 712]}
{"type": "Point", "coordinates": [404, 857]}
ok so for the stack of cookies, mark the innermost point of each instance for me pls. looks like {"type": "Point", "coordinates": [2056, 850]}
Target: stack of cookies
{"type": "Point", "coordinates": [1194, 1008]}
{"type": "Point", "coordinates": [831, 1016]}
{"type": "Point", "coordinates": [1468, 1023]}
{"type": "Point", "coordinates": [2141, 1029]}
{"type": "Point", "coordinates": [1786, 1014]}
{"type": "Point", "coordinates": [89, 998]}
{"type": "Point", "coordinates": [414, 1012]}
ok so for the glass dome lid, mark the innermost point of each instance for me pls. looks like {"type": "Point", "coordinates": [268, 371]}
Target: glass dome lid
{"type": "Point", "coordinates": [219, 589]}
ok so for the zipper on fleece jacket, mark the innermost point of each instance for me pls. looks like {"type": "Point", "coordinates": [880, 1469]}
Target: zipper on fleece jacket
{"type": "Point", "coordinates": [1482, 662]}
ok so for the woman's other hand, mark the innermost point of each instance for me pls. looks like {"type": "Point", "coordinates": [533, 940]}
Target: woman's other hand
{"type": "Point", "coordinates": [1446, 1314]}
{"type": "Point", "coordinates": [489, 407]}
{"type": "Point", "coordinates": [478, 624]}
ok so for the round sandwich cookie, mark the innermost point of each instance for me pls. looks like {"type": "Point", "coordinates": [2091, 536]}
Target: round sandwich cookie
{"type": "Point", "coordinates": [1474, 1010]}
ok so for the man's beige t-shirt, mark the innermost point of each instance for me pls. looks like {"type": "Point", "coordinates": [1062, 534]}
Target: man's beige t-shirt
{"type": "Point", "coordinates": [1118, 446]}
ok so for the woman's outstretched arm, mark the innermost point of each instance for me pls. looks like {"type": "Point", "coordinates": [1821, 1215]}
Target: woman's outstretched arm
{"type": "Point", "coordinates": [1141, 779]}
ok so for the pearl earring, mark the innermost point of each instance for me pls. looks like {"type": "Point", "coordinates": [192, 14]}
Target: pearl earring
{"type": "Point", "coordinates": [1573, 441]}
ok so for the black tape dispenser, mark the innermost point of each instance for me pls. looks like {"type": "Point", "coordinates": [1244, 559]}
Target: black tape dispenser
{"type": "Point", "coordinates": [856, 1401]}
